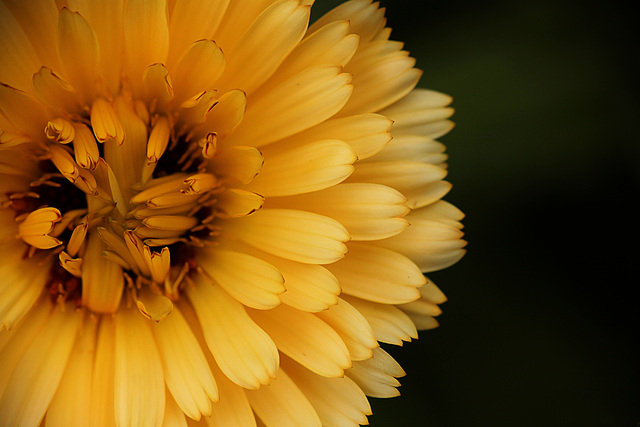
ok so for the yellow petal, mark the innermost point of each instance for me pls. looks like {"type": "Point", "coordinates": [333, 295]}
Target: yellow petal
{"type": "Point", "coordinates": [223, 117]}
{"type": "Point", "coordinates": [139, 383]}
{"type": "Point", "coordinates": [377, 376]}
{"type": "Point", "coordinates": [185, 367]}
{"type": "Point", "coordinates": [38, 21]}
{"type": "Point", "coordinates": [338, 401]}
{"type": "Point", "coordinates": [366, 18]}
{"type": "Point", "coordinates": [146, 35]}
{"type": "Point", "coordinates": [55, 92]}
{"type": "Point", "coordinates": [367, 211]}
{"type": "Point", "coordinates": [193, 20]}
{"type": "Point", "coordinates": [233, 408]}
{"type": "Point", "coordinates": [352, 327]}
{"type": "Point", "coordinates": [252, 60]}
{"type": "Point", "coordinates": [250, 280]}
{"type": "Point", "coordinates": [309, 287]}
{"type": "Point", "coordinates": [173, 415]}
{"type": "Point", "coordinates": [238, 164]}
{"type": "Point", "coordinates": [236, 203]}
{"type": "Point", "coordinates": [367, 134]}
{"type": "Point", "coordinates": [332, 44]}
{"type": "Point", "coordinates": [17, 55]}
{"type": "Point", "coordinates": [79, 53]}
{"type": "Point", "coordinates": [14, 345]}
{"type": "Point", "coordinates": [306, 339]}
{"type": "Point", "coordinates": [38, 373]}
{"type": "Point", "coordinates": [71, 404]}
{"type": "Point", "coordinates": [102, 403]}
{"type": "Point", "coordinates": [303, 169]}
{"type": "Point", "coordinates": [295, 235]}
{"type": "Point", "coordinates": [430, 244]}
{"type": "Point", "coordinates": [420, 183]}
{"type": "Point", "coordinates": [198, 69]}
{"type": "Point", "coordinates": [282, 404]}
{"type": "Point", "coordinates": [390, 325]}
{"type": "Point", "coordinates": [21, 113]}
{"type": "Point", "coordinates": [102, 280]}
{"type": "Point", "coordinates": [105, 122]}
{"type": "Point", "coordinates": [378, 274]}
{"type": "Point", "coordinates": [243, 351]}
{"type": "Point", "coordinates": [152, 305]}
{"type": "Point", "coordinates": [22, 283]}
{"type": "Point", "coordinates": [306, 99]}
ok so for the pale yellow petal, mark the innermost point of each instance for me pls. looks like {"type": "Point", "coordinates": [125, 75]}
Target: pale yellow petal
{"type": "Point", "coordinates": [338, 401]}
{"type": "Point", "coordinates": [295, 235]}
{"type": "Point", "coordinates": [139, 383]}
{"type": "Point", "coordinates": [378, 274]}
{"type": "Point", "coordinates": [252, 60]}
{"type": "Point", "coordinates": [390, 325]}
{"type": "Point", "coordinates": [238, 17]}
{"type": "Point", "coordinates": [38, 373]}
{"type": "Point", "coordinates": [366, 18]}
{"type": "Point", "coordinates": [431, 245]}
{"type": "Point", "coordinates": [352, 327]}
{"type": "Point", "coordinates": [250, 280]}
{"type": "Point", "coordinates": [420, 183]}
{"type": "Point", "coordinates": [413, 148]}
{"type": "Point", "coordinates": [306, 339]}
{"type": "Point", "coordinates": [377, 376]}
{"type": "Point", "coordinates": [302, 101]}
{"type": "Point", "coordinates": [173, 415]}
{"type": "Point", "coordinates": [233, 408]}
{"type": "Point", "coordinates": [367, 211]}
{"type": "Point", "coordinates": [331, 45]}
{"type": "Point", "coordinates": [282, 404]}
{"type": "Point", "coordinates": [305, 168]}
{"type": "Point", "coordinates": [309, 287]}
{"type": "Point", "coordinates": [242, 350]}
{"type": "Point", "coordinates": [185, 367]}
{"type": "Point", "coordinates": [367, 134]}
{"type": "Point", "coordinates": [421, 112]}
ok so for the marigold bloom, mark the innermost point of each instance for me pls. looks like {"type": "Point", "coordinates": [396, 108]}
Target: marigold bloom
{"type": "Point", "coordinates": [210, 209]}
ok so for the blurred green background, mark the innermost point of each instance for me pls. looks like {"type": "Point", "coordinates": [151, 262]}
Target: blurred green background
{"type": "Point", "coordinates": [541, 327]}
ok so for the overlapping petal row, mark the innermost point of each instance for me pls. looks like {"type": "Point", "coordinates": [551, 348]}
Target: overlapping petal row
{"type": "Point", "coordinates": [212, 212]}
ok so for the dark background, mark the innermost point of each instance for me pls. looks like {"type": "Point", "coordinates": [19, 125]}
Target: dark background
{"type": "Point", "coordinates": [541, 324]}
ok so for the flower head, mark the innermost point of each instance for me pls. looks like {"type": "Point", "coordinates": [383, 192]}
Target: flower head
{"type": "Point", "coordinates": [210, 209]}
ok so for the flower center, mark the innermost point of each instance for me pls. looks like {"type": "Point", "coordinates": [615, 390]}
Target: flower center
{"type": "Point", "coordinates": [118, 192]}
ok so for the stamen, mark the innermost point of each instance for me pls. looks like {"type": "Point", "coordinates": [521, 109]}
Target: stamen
{"type": "Point", "coordinates": [36, 227]}
{"type": "Point", "coordinates": [105, 122]}
{"type": "Point", "coordinates": [60, 130]}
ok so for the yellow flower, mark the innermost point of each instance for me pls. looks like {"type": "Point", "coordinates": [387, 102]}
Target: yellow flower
{"type": "Point", "coordinates": [210, 209]}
